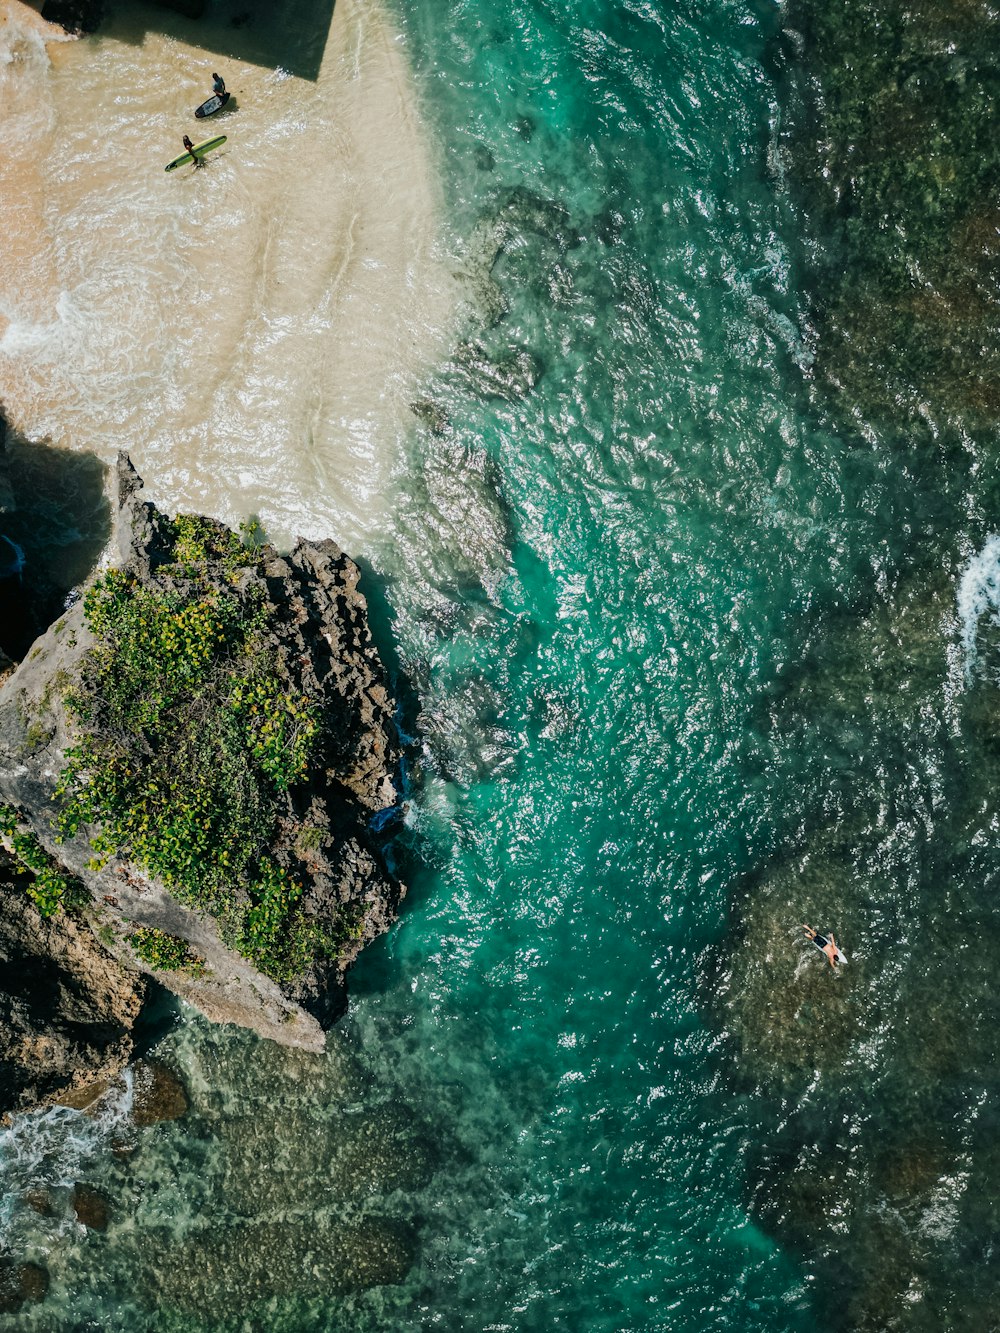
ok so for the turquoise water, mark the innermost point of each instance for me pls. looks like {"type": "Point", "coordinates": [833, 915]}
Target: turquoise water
{"type": "Point", "coordinates": [693, 617]}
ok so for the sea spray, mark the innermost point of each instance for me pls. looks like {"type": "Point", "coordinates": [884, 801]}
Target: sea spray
{"type": "Point", "coordinates": [24, 69]}
{"type": "Point", "coordinates": [50, 1150]}
{"type": "Point", "coordinates": [52, 341]}
{"type": "Point", "coordinates": [978, 594]}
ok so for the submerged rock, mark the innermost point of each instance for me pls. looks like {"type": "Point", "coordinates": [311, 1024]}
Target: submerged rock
{"type": "Point", "coordinates": [39, 1200]}
{"type": "Point", "coordinates": [232, 1074]}
{"type": "Point", "coordinates": [869, 1079]}
{"type": "Point", "coordinates": [157, 1094]}
{"type": "Point", "coordinates": [33, 1283]}
{"type": "Point", "coordinates": [90, 1207]}
{"type": "Point", "coordinates": [21, 1284]}
{"type": "Point", "coordinates": [509, 374]}
{"type": "Point", "coordinates": [789, 1013]}
{"type": "Point", "coordinates": [232, 1267]}
{"type": "Point", "coordinates": [900, 129]}
{"type": "Point", "coordinates": [313, 1160]}
{"type": "Point", "coordinates": [266, 945]}
{"type": "Point", "coordinates": [432, 415]}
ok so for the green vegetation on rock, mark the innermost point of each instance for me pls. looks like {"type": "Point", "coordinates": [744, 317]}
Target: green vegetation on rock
{"type": "Point", "coordinates": [163, 952]}
{"type": "Point", "coordinates": [190, 732]}
{"type": "Point", "coordinates": [49, 888]}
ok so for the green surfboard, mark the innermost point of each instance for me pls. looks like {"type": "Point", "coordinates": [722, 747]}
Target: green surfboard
{"type": "Point", "coordinates": [199, 150]}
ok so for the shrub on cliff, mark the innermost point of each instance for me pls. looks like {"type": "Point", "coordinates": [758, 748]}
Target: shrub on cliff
{"type": "Point", "coordinates": [163, 952]}
{"type": "Point", "coordinates": [190, 731]}
{"type": "Point", "coordinates": [47, 887]}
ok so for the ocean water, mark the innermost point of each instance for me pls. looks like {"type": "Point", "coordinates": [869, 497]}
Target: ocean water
{"type": "Point", "coordinates": [690, 572]}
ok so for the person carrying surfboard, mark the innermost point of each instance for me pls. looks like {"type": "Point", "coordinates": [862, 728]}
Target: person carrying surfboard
{"type": "Point", "coordinates": [195, 152]}
{"type": "Point", "coordinates": [825, 944]}
{"type": "Point", "coordinates": [198, 161]}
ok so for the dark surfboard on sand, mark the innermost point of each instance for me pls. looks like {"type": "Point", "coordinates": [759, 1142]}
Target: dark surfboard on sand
{"type": "Point", "coordinates": [213, 104]}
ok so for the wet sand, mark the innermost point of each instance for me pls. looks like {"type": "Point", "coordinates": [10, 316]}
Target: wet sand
{"type": "Point", "coordinates": [252, 332]}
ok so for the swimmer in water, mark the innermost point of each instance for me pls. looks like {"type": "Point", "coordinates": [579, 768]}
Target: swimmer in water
{"type": "Point", "coordinates": [826, 944]}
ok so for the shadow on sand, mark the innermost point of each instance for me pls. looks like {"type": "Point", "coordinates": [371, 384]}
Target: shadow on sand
{"type": "Point", "coordinates": [243, 30]}
{"type": "Point", "coordinates": [57, 520]}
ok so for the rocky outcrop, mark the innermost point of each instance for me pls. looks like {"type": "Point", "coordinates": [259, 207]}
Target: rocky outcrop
{"type": "Point", "coordinates": [78, 17]}
{"type": "Point", "coordinates": [316, 624]}
{"type": "Point", "coordinates": [67, 1008]}
{"type": "Point", "coordinates": [21, 1284]}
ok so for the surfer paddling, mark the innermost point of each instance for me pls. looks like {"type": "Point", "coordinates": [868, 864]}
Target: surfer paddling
{"type": "Point", "coordinates": [825, 944]}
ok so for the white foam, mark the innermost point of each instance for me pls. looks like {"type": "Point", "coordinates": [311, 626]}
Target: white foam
{"type": "Point", "coordinates": [24, 72]}
{"type": "Point", "coordinates": [48, 339]}
{"type": "Point", "coordinates": [978, 595]}
{"type": "Point", "coordinates": [52, 1148]}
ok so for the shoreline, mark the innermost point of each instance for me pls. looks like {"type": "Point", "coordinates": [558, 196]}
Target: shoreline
{"type": "Point", "coordinates": [311, 307]}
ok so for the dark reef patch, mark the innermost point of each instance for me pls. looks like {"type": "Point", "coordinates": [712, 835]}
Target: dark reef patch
{"type": "Point", "coordinates": [894, 159]}
{"type": "Point", "coordinates": [876, 1078]}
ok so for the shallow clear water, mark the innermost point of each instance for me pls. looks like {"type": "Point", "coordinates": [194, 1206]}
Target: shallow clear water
{"type": "Point", "coordinates": [699, 635]}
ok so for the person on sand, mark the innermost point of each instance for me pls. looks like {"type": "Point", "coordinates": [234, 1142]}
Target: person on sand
{"type": "Point", "coordinates": [826, 944]}
{"type": "Point", "coordinates": [198, 161]}
{"type": "Point", "coordinates": [218, 86]}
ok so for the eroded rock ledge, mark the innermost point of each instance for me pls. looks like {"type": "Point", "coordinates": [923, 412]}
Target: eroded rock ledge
{"type": "Point", "coordinates": [314, 626]}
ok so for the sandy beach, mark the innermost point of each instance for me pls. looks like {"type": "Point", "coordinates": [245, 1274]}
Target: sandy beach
{"type": "Point", "coordinates": [253, 332]}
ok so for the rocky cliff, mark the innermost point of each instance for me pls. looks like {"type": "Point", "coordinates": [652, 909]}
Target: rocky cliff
{"type": "Point", "coordinates": [67, 1008]}
{"type": "Point", "coordinates": [193, 761]}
